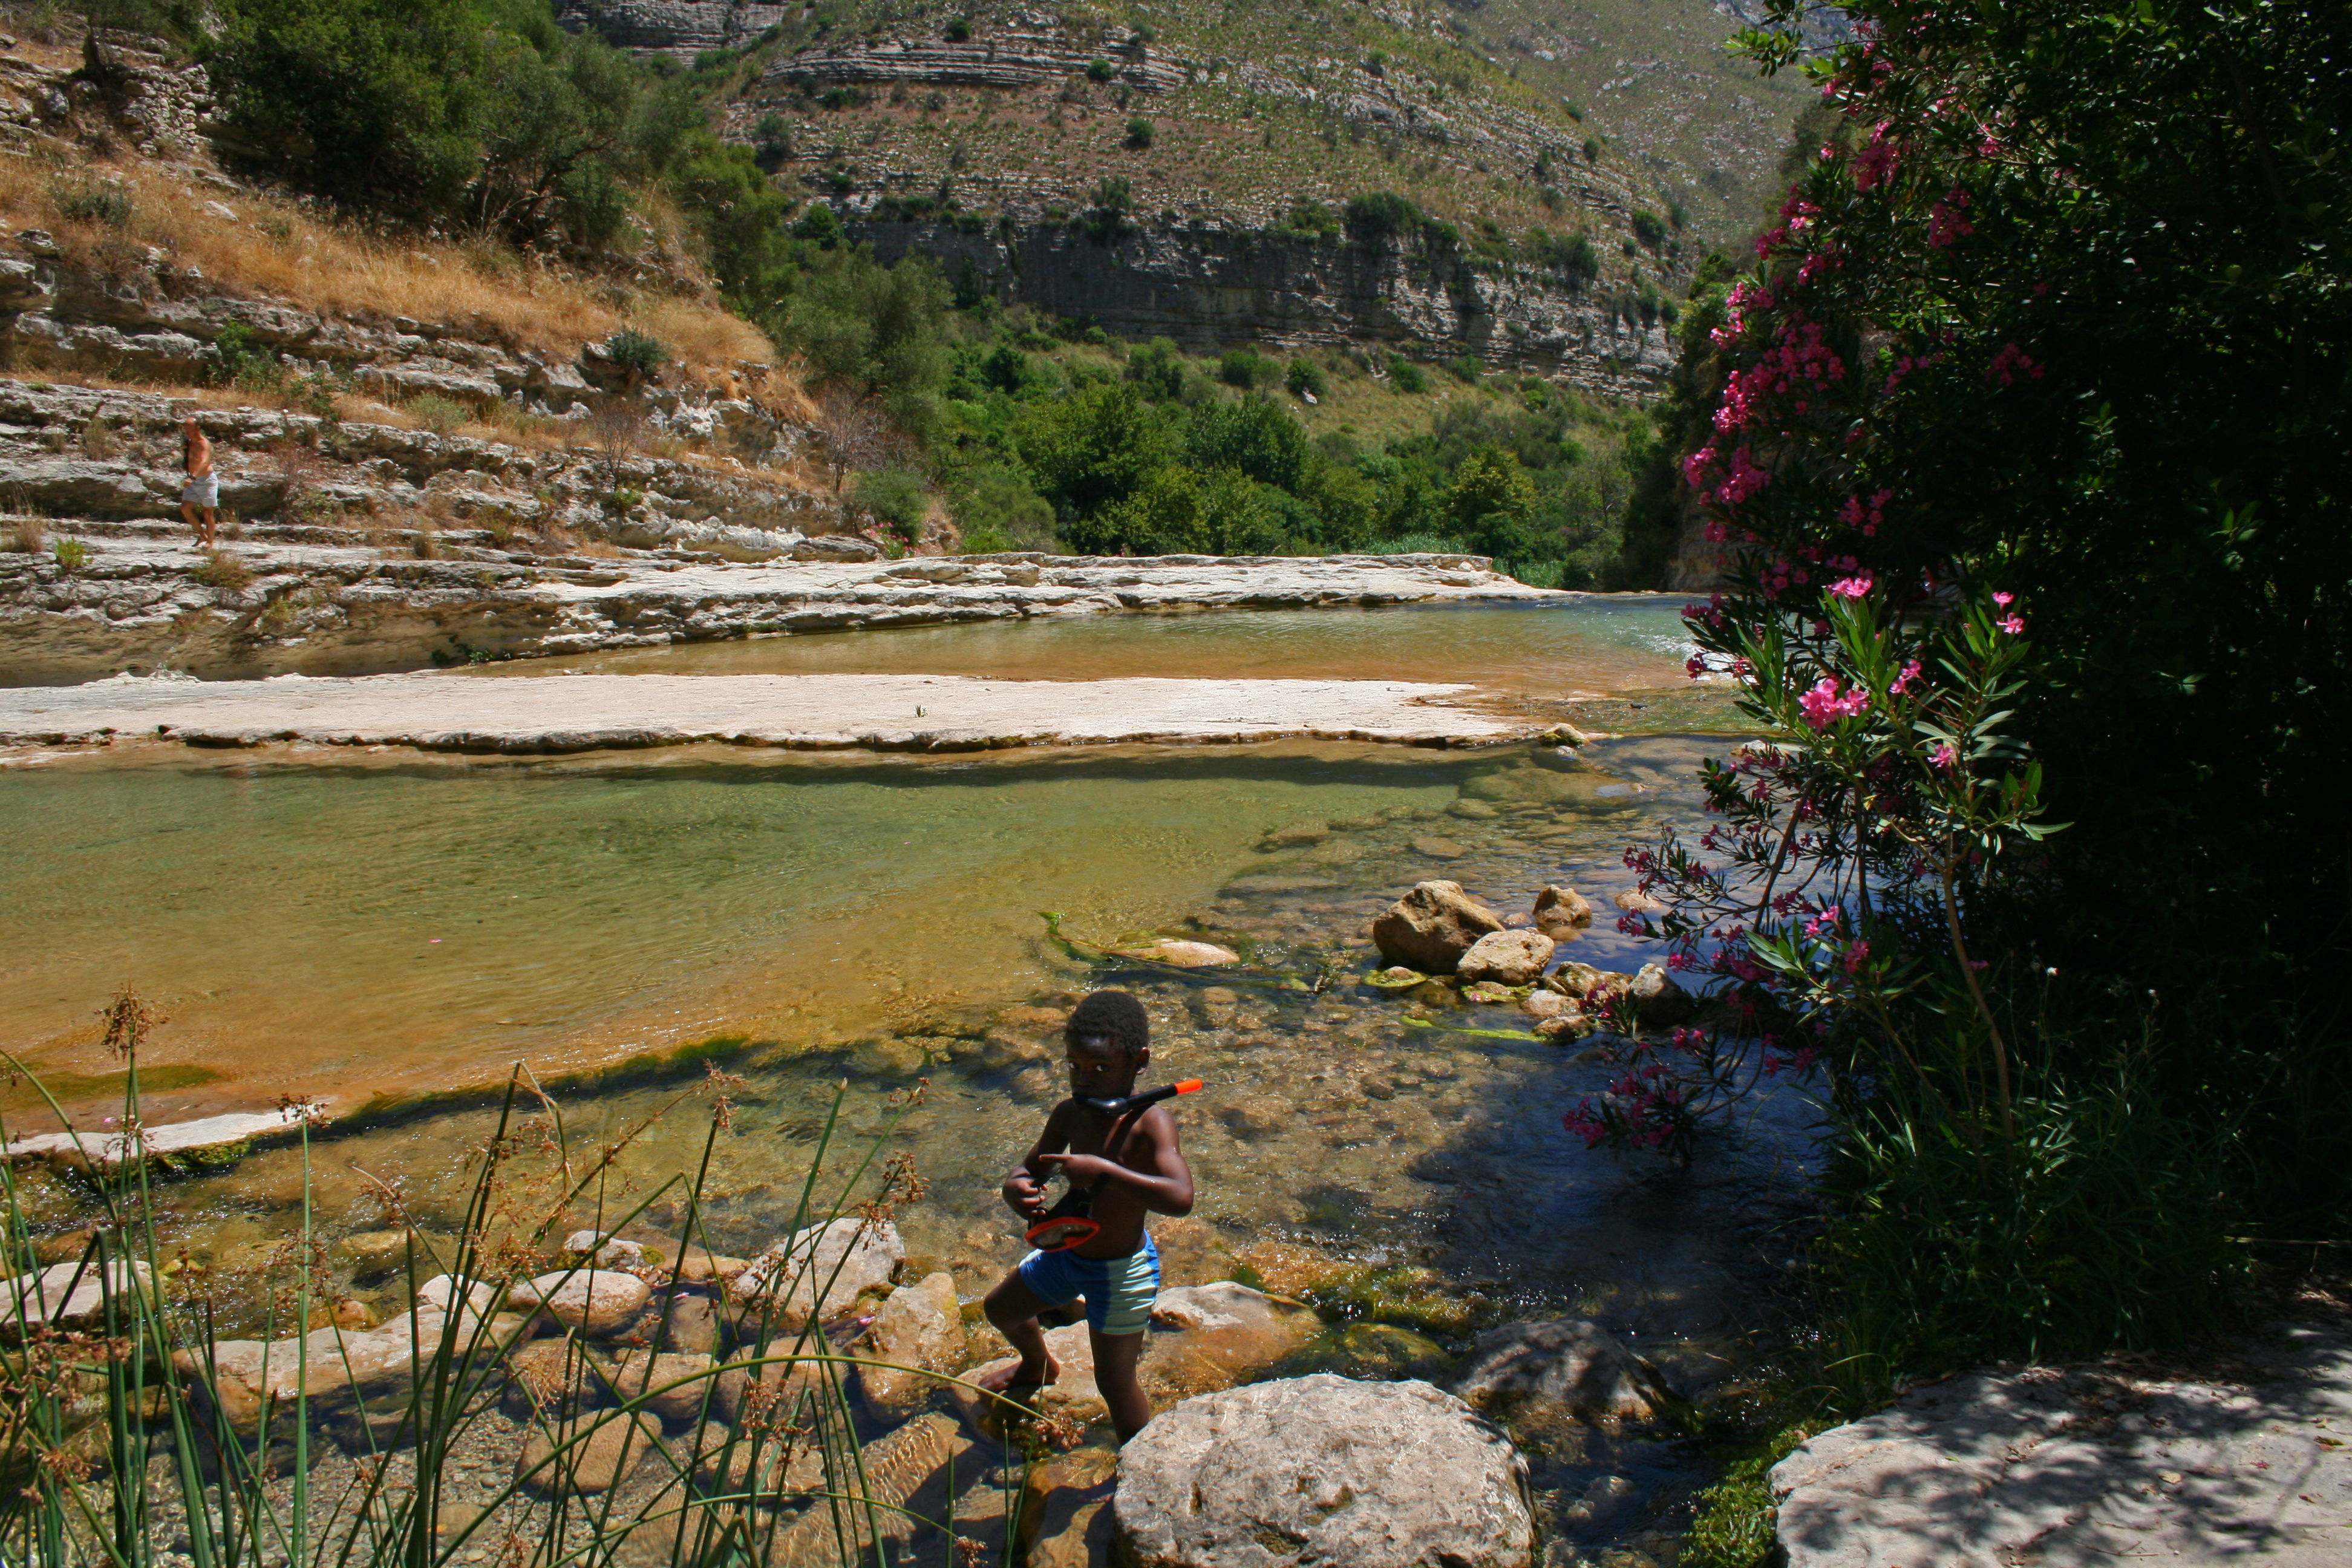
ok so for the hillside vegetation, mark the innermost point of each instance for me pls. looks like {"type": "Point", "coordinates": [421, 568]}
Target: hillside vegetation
{"type": "Point", "coordinates": [557, 161]}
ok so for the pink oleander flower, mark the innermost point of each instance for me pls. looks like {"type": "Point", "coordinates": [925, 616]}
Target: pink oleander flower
{"type": "Point", "coordinates": [2013, 624]}
{"type": "Point", "coordinates": [1943, 756]}
{"type": "Point", "coordinates": [2004, 600]}
{"type": "Point", "coordinates": [1824, 705]}
{"type": "Point", "coordinates": [1909, 674]}
{"type": "Point", "coordinates": [1852, 587]}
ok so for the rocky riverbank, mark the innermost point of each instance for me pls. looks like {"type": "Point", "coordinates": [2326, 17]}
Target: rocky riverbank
{"type": "Point", "coordinates": [2243, 1462]}
{"type": "Point", "coordinates": [294, 599]}
{"type": "Point", "coordinates": [635, 1376]}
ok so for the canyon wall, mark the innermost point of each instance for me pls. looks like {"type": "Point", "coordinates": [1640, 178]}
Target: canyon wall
{"type": "Point", "coordinates": [1211, 287]}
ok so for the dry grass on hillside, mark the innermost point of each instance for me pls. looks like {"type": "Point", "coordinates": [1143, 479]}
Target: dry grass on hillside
{"type": "Point", "coordinates": [280, 249]}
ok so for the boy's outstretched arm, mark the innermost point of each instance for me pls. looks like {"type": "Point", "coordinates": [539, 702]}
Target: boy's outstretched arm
{"type": "Point", "coordinates": [1159, 1173]}
{"type": "Point", "coordinates": [1024, 1189]}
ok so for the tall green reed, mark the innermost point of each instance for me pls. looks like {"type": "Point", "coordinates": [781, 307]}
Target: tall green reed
{"type": "Point", "coordinates": [142, 1437]}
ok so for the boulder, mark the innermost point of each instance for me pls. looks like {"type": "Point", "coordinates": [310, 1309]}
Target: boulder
{"type": "Point", "coordinates": [819, 1272]}
{"type": "Point", "coordinates": [1073, 1395]}
{"type": "Point", "coordinates": [443, 1290]}
{"type": "Point", "coordinates": [919, 1326]}
{"type": "Point", "coordinates": [1323, 1469]}
{"type": "Point", "coordinates": [1431, 927]}
{"type": "Point", "coordinates": [1540, 1003]}
{"type": "Point", "coordinates": [688, 1320]}
{"type": "Point", "coordinates": [1384, 1352]}
{"type": "Point", "coordinates": [599, 1302]}
{"type": "Point", "coordinates": [72, 1295]}
{"type": "Point", "coordinates": [836, 547]}
{"type": "Point", "coordinates": [587, 1456]}
{"type": "Point", "coordinates": [1577, 980]}
{"type": "Point", "coordinates": [672, 1385]}
{"type": "Point", "coordinates": [1211, 1336]}
{"type": "Point", "coordinates": [902, 1474]}
{"type": "Point", "coordinates": [1562, 914]}
{"type": "Point", "coordinates": [766, 1391]}
{"type": "Point", "coordinates": [1506, 957]}
{"type": "Point", "coordinates": [699, 1266]}
{"type": "Point", "coordinates": [1559, 1370]}
{"type": "Point", "coordinates": [554, 1380]}
{"type": "Point", "coordinates": [607, 1251]}
{"type": "Point", "coordinates": [1259, 1115]}
{"type": "Point", "coordinates": [1657, 1000]}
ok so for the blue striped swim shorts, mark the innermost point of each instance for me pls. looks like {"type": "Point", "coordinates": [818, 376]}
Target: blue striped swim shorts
{"type": "Point", "coordinates": [1119, 1290]}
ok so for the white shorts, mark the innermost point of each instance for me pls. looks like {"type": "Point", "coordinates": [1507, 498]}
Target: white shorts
{"type": "Point", "coordinates": [203, 490]}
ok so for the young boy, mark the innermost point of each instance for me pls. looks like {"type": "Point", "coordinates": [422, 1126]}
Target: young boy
{"type": "Point", "coordinates": [1135, 1167]}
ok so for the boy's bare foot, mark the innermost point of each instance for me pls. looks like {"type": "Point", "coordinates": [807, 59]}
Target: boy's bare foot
{"type": "Point", "coordinates": [1006, 1380]}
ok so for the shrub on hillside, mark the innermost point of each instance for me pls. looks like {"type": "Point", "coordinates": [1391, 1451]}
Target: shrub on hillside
{"type": "Point", "coordinates": [1381, 218]}
{"type": "Point", "coordinates": [1247, 368]}
{"type": "Point", "coordinates": [442, 415]}
{"type": "Point", "coordinates": [896, 499]}
{"type": "Point", "coordinates": [638, 352]}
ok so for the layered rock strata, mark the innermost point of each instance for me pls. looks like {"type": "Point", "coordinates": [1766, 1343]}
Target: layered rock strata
{"type": "Point", "coordinates": [307, 599]}
{"type": "Point", "coordinates": [1206, 288]}
{"type": "Point", "coordinates": [681, 28]}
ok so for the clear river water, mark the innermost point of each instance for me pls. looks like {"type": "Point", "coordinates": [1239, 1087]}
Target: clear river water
{"type": "Point", "coordinates": [388, 928]}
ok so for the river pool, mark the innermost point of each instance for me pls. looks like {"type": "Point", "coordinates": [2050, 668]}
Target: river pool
{"type": "Point", "coordinates": [391, 932]}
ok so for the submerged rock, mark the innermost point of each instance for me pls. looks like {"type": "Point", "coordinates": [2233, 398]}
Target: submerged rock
{"type": "Point", "coordinates": [1182, 954]}
{"type": "Point", "coordinates": [587, 1456]}
{"type": "Point", "coordinates": [1561, 1369]}
{"type": "Point", "coordinates": [1065, 1515]}
{"type": "Point", "coordinates": [919, 1326]}
{"type": "Point", "coordinates": [1506, 957]}
{"type": "Point", "coordinates": [819, 1272]}
{"type": "Point", "coordinates": [1322, 1469]}
{"type": "Point", "coordinates": [1431, 927]}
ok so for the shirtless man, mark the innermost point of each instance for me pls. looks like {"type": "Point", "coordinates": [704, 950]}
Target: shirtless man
{"type": "Point", "coordinates": [1134, 1165]}
{"type": "Point", "coordinates": [202, 492]}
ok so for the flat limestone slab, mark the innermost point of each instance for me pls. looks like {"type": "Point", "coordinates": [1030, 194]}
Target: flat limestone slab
{"type": "Point", "coordinates": [108, 1149]}
{"type": "Point", "coordinates": [2071, 1468]}
{"type": "Point", "coordinates": [450, 711]}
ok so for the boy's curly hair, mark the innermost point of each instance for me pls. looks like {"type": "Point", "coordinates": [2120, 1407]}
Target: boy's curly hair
{"type": "Point", "coordinates": [1113, 1015]}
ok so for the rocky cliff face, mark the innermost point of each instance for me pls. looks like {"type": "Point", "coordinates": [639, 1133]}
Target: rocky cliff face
{"type": "Point", "coordinates": [683, 28]}
{"type": "Point", "coordinates": [1208, 287]}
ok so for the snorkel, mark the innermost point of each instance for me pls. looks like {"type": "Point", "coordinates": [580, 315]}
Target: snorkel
{"type": "Point", "coordinates": [1120, 1105]}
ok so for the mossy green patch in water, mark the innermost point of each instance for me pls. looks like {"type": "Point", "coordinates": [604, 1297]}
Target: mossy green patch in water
{"type": "Point", "coordinates": [25, 1095]}
{"type": "Point", "coordinates": [1732, 1521]}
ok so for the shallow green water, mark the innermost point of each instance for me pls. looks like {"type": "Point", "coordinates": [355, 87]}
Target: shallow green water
{"type": "Point", "coordinates": [1594, 644]}
{"type": "Point", "coordinates": [858, 925]}
{"type": "Point", "coordinates": [870, 922]}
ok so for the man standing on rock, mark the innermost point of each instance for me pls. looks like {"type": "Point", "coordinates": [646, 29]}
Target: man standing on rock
{"type": "Point", "coordinates": [199, 502]}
